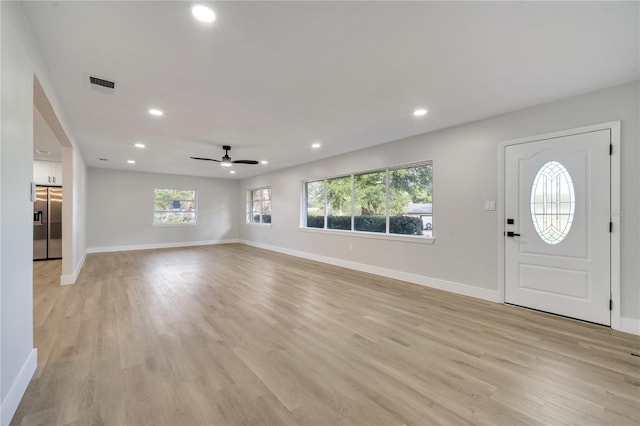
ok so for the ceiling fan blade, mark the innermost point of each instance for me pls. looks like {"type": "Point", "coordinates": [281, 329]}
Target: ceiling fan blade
{"type": "Point", "coordinates": [205, 159]}
{"type": "Point", "coordinates": [245, 162]}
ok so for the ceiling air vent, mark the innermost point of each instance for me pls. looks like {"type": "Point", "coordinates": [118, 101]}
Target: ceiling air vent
{"type": "Point", "coordinates": [100, 84]}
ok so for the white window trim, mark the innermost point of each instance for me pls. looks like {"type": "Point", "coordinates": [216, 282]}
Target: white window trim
{"type": "Point", "coordinates": [371, 235]}
{"type": "Point", "coordinates": [259, 225]}
{"type": "Point", "coordinates": [162, 225]}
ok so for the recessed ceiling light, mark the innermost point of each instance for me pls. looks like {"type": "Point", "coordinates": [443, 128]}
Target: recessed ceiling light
{"type": "Point", "coordinates": [264, 162]}
{"type": "Point", "coordinates": [420, 112]}
{"type": "Point", "coordinates": [203, 14]}
{"type": "Point", "coordinates": [131, 161]}
{"type": "Point", "coordinates": [156, 112]}
{"type": "Point", "coordinates": [139, 145]}
{"type": "Point", "coordinates": [315, 145]}
{"type": "Point", "coordinates": [233, 172]}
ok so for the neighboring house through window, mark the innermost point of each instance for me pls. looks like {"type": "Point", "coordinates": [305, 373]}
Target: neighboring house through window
{"type": "Point", "coordinates": [175, 207]}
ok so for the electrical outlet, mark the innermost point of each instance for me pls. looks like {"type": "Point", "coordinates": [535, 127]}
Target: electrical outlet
{"type": "Point", "coordinates": [350, 246]}
{"type": "Point", "coordinates": [489, 206]}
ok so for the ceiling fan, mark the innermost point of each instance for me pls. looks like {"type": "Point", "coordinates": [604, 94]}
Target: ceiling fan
{"type": "Point", "coordinates": [226, 160]}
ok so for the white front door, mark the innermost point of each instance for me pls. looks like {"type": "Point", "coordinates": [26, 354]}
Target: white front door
{"type": "Point", "coordinates": [557, 230]}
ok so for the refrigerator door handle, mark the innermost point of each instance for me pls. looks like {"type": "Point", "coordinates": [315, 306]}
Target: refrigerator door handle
{"type": "Point", "coordinates": [37, 218]}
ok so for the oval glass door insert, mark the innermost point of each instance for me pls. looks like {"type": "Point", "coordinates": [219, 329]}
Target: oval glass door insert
{"type": "Point", "coordinates": [553, 202]}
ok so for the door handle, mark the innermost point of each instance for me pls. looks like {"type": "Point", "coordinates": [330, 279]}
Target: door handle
{"type": "Point", "coordinates": [512, 234]}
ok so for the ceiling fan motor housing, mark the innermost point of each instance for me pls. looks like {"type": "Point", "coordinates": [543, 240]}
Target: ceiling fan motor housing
{"type": "Point", "coordinates": [226, 160]}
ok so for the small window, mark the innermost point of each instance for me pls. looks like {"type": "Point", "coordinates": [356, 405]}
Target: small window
{"type": "Point", "coordinates": [175, 207]}
{"type": "Point", "coordinates": [259, 205]}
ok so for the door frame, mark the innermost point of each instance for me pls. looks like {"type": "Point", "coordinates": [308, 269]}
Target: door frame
{"type": "Point", "coordinates": [614, 128]}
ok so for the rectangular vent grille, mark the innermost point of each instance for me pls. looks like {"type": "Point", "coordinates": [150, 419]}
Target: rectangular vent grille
{"type": "Point", "coordinates": [101, 82]}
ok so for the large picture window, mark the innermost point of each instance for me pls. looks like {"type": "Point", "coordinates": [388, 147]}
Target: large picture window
{"type": "Point", "coordinates": [259, 205]}
{"type": "Point", "coordinates": [395, 200]}
{"type": "Point", "coordinates": [175, 207]}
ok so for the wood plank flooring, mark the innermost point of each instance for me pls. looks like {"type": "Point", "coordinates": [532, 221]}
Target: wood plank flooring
{"type": "Point", "coordinates": [234, 335]}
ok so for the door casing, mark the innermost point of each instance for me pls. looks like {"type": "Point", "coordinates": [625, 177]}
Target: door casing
{"type": "Point", "coordinates": [614, 127]}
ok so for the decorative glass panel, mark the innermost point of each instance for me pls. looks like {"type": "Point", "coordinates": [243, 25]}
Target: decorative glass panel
{"type": "Point", "coordinates": [553, 202]}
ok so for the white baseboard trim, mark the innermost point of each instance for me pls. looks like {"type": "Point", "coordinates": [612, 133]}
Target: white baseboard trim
{"type": "Point", "coordinates": [18, 388]}
{"type": "Point", "coordinates": [107, 249]}
{"type": "Point", "coordinates": [630, 325]}
{"type": "Point", "coordinates": [450, 286]}
{"type": "Point", "coordinates": [71, 279]}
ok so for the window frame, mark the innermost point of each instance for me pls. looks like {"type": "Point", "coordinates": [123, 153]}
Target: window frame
{"type": "Point", "coordinates": [249, 206]}
{"type": "Point", "coordinates": [195, 209]}
{"type": "Point", "coordinates": [365, 234]}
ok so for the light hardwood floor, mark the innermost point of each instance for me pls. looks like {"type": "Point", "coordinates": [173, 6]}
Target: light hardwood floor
{"type": "Point", "coordinates": [230, 335]}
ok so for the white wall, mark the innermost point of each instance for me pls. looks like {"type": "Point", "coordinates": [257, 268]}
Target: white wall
{"type": "Point", "coordinates": [74, 242]}
{"type": "Point", "coordinates": [79, 212]}
{"type": "Point", "coordinates": [21, 61]}
{"type": "Point", "coordinates": [465, 255]}
{"type": "Point", "coordinates": [1, 226]}
{"type": "Point", "coordinates": [17, 170]}
{"type": "Point", "coordinates": [120, 210]}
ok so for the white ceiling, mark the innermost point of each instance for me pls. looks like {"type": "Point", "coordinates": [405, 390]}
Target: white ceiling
{"type": "Point", "coordinates": [270, 78]}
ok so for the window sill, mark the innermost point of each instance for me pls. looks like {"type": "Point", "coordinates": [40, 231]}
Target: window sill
{"type": "Point", "coordinates": [259, 225]}
{"type": "Point", "coordinates": [374, 235]}
{"type": "Point", "coordinates": [163, 225]}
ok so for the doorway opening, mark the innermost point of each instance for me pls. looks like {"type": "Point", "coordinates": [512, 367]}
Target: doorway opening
{"type": "Point", "coordinates": [54, 145]}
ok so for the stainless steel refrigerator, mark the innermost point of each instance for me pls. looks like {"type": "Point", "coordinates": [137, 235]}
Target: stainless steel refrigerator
{"type": "Point", "coordinates": [47, 223]}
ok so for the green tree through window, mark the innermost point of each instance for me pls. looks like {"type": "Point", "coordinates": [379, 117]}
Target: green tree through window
{"type": "Point", "coordinates": [370, 202]}
{"type": "Point", "coordinates": [396, 201]}
{"type": "Point", "coordinates": [315, 204]}
{"type": "Point", "coordinates": [339, 203]}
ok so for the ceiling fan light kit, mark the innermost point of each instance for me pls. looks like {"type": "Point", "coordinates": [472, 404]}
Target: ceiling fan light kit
{"type": "Point", "coordinates": [226, 160]}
